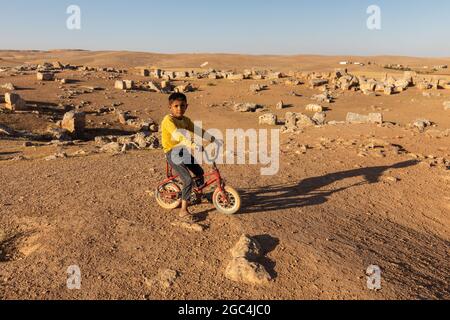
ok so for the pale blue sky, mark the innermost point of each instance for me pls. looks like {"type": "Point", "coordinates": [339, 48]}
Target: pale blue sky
{"type": "Point", "coordinates": [331, 27]}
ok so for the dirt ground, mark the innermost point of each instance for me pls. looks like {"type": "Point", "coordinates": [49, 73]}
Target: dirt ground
{"type": "Point", "coordinates": [329, 213]}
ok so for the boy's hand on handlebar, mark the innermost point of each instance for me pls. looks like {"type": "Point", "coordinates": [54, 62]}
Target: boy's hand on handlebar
{"type": "Point", "coordinates": [199, 148]}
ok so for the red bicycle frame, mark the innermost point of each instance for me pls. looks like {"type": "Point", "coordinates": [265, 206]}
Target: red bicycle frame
{"type": "Point", "coordinates": [215, 178]}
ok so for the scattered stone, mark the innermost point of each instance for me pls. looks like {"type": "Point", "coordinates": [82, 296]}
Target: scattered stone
{"type": "Point", "coordinates": [8, 86]}
{"type": "Point", "coordinates": [45, 76]}
{"type": "Point", "coordinates": [123, 117]}
{"type": "Point", "coordinates": [129, 84]}
{"type": "Point", "coordinates": [102, 140]}
{"type": "Point", "coordinates": [246, 107]}
{"type": "Point", "coordinates": [59, 134]}
{"type": "Point", "coordinates": [291, 120]}
{"type": "Point", "coordinates": [319, 118]}
{"type": "Point", "coordinates": [280, 105]}
{"type": "Point", "coordinates": [314, 83]}
{"type": "Point", "coordinates": [268, 119]}
{"type": "Point", "coordinates": [120, 85]}
{"type": "Point", "coordinates": [129, 146]}
{"type": "Point", "coordinates": [74, 122]}
{"type": "Point", "coordinates": [314, 108]}
{"type": "Point", "coordinates": [255, 88]}
{"type": "Point", "coordinates": [154, 87]}
{"type": "Point", "coordinates": [322, 98]}
{"type": "Point", "coordinates": [296, 121]}
{"type": "Point", "coordinates": [112, 147]}
{"type": "Point", "coordinates": [292, 83]}
{"type": "Point", "coordinates": [424, 85]}
{"type": "Point", "coordinates": [145, 72]}
{"type": "Point", "coordinates": [376, 118]}
{"type": "Point", "coordinates": [60, 155]}
{"type": "Point", "coordinates": [183, 88]}
{"type": "Point", "coordinates": [421, 124]}
{"type": "Point", "coordinates": [166, 85]}
{"type": "Point", "coordinates": [14, 102]}
{"type": "Point", "coordinates": [181, 74]}
{"type": "Point", "coordinates": [388, 90]}
{"type": "Point", "coordinates": [124, 85]}
{"type": "Point", "coordinates": [304, 121]}
{"type": "Point", "coordinates": [239, 76]}
{"type": "Point", "coordinates": [274, 75]}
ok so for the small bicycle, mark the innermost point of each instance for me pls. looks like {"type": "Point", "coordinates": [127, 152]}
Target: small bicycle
{"type": "Point", "coordinates": [225, 198]}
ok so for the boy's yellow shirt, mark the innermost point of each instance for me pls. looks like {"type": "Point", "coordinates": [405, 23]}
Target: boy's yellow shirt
{"type": "Point", "coordinates": [170, 137]}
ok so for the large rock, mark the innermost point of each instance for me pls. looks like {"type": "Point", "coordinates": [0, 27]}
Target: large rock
{"type": "Point", "coordinates": [14, 101]}
{"type": "Point", "coordinates": [244, 271]}
{"type": "Point", "coordinates": [74, 122]}
{"type": "Point", "coordinates": [359, 118]}
{"type": "Point", "coordinates": [247, 247]}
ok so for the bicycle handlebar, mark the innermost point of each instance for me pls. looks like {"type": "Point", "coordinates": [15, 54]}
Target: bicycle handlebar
{"type": "Point", "coordinates": [216, 152]}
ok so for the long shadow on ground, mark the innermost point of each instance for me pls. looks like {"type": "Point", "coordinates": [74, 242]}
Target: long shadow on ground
{"type": "Point", "coordinates": [310, 191]}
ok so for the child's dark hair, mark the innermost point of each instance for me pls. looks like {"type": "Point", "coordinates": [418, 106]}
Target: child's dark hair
{"type": "Point", "coordinates": [177, 96]}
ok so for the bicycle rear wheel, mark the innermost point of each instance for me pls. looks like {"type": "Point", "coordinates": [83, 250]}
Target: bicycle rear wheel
{"type": "Point", "coordinates": [168, 196]}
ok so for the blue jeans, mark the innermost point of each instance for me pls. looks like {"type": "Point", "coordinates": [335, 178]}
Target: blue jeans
{"type": "Point", "coordinates": [184, 164]}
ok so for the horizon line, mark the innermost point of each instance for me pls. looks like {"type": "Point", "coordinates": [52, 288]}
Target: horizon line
{"type": "Point", "coordinates": [227, 53]}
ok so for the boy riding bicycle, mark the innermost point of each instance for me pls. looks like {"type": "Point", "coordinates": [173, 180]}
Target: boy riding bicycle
{"type": "Point", "coordinates": [178, 149]}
